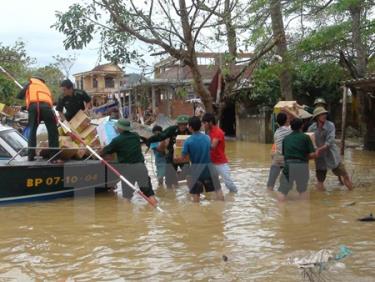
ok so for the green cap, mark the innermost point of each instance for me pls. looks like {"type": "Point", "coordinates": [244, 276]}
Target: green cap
{"type": "Point", "coordinates": [124, 124]}
{"type": "Point", "coordinates": [182, 119]}
{"type": "Point", "coordinates": [319, 111]}
{"type": "Point", "coordinates": [320, 101]}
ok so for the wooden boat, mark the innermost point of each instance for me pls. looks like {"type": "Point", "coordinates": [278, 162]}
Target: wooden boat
{"type": "Point", "coordinates": [21, 180]}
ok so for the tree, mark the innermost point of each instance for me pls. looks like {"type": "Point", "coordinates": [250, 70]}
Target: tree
{"type": "Point", "coordinates": [281, 48]}
{"type": "Point", "coordinates": [65, 64]}
{"type": "Point", "coordinates": [16, 61]}
{"type": "Point", "coordinates": [166, 26]}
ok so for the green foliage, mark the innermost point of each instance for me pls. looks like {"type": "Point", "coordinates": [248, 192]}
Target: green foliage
{"type": "Point", "coordinates": [15, 60]}
{"type": "Point", "coordinates": [76, 26]}
{"type": "Point", "coordinates": [310, 80]}
{"type": "Point", "coordinates": [181, 92]}
{"type": "Point", "coordinates": [266, 85]}
{"type": "Point", "coordinates": [79, 25]}
{"type": "Point", "coordinates": [52, 75]}
{"type": "Point", "coordinates": [327, 38]}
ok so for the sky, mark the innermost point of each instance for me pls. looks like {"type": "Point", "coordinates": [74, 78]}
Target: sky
{"type": "Point", "coordinates": [31, 20]}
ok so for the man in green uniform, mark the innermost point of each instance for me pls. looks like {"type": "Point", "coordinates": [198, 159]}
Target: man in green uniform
{"type": "Point", "coordinates": [297, 150]}
{"type": "Point", "coordinates": [171, 134]}
{"type": "Point", "coordinates": [72, 100]}
{"type": "Point", "coordinates": [127, 146]}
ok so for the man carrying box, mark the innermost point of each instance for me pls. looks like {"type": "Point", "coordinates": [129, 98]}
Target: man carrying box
{"type": "Point", "coordinates": [72, 100]}
{"type": "Point", "coordinates": [202, 172]}
{"type": "Point", "coordinates": [171, 133]}
{"type": "Point", "coordinates": [127, 146]}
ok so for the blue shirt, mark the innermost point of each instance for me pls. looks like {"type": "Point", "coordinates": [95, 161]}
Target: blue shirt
{"type": "Point", "coordinates": [159, 157]}
{"type": "Point", "coordinates": [198, 146]}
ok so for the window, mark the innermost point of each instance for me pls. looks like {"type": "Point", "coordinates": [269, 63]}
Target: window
{"type": "Point", "coordinates": [94, 82]}
{"type": "Point", "coordinates": [109, 82]}
{"type": "Point", "coordinates": [15, 140]}
{"type": "Point", "coordinates": [4, 154]}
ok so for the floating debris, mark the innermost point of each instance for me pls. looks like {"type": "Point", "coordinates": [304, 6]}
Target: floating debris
{"type": "Point", "coordinates": [313, 264]}
{"type": "Point", "coordinates": [225, 258]}
{"type": "Point", "coordinates": [367, 218]}
{"type": "Point", "coordinates": [350, 204]}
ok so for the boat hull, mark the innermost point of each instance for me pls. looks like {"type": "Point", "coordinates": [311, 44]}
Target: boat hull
{"type": "Point", "coordinates": [32, 181]}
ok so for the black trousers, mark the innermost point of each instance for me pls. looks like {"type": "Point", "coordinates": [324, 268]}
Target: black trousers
{"type": "Point", "coordinates": [135, 173]}
{"type": "Point", "coordinates": [42, 112]}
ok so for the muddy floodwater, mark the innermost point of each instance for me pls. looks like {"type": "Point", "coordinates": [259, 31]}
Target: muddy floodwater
{"type": "Point", "coordinates": [104, 238]}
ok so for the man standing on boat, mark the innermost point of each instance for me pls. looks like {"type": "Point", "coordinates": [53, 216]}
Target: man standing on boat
{"type": "Point", "coordinates": [39, 103]}
{"type": "Point", "coordinates": [72, 100]}
{"type": "Point", "coordinates": [171, 133]}
{"type": "Point", "coordinates": [127, 147]}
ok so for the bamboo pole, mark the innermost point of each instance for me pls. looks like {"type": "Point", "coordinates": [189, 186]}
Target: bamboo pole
{"type": "Point", "coordinates": [343, 119]}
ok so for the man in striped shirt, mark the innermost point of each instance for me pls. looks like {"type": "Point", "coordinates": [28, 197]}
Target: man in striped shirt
{"type": "Point", "coordinates": [277, 156]}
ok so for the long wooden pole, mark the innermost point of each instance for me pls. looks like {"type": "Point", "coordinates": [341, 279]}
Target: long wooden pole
{"type": "Point", "coordinates": [343, 121]}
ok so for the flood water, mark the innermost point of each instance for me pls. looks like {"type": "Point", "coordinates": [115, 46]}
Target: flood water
{"type": "Point", "coordinates": [104, 238]}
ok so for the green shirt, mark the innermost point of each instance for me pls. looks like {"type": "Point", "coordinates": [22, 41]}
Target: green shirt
{"type": "Point", "coordinates": [297, 146]}
{"type": "Point", "coordinates": [73, 104]}
{"type": "Point", "coordinates": [171, 133]}
{"type": "Point", "coordinates": [127, 146]}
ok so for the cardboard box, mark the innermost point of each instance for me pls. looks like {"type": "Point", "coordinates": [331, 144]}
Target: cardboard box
{"type": "Point", "coordinates": [89, 133]}
{"type": "Point", "coordinates": [290, 105]}
{"type": "Point", "coordinates": [79, 122]}
{"type": "Point", "coordinates": [179, 145]}
{"type": "Point", "coordinates": [94, 143]}
{"type": "Point", "coordinates": [81, 152]}
{"type": "Point", "coordinates": [180, 140]}
{"type": "Point", "coordinates": [67, 142]}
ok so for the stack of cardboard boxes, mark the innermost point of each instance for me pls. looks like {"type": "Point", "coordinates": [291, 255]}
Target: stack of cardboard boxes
{"type": "Point", "coordinates": [81, 125]}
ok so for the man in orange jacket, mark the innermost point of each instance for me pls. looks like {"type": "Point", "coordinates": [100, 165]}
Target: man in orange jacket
{"type": "Point", "coordinates": [39, 104]}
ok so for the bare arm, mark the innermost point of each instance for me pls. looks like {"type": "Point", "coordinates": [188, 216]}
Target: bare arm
{"type": "Point", "coordinates": [62, 116]}
{"type": "Point", "coordinates": [88, 106]}
{"type": "Point", "coordinates": [182, 159]}
{"type": "Point", "coordinates": [214, 143]}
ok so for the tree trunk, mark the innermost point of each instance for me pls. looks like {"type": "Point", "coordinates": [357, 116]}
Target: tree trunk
{"type": "Point", "coordinates": [200, 88]}
{"type": "Point", "coordinates": [359, 47]}
{"type": "Point", "coordinates": [191, 59]}
{"type": "Point", "coordinates": [361, 64]}
{"type": "Point", "coordinates": [232, 49]}
{"type": "Point", "coordinates": [281, 49]}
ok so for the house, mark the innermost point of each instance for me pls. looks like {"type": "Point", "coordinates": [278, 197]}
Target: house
{"type": "Point", "coordinates": [101, 82]}
{"type": "Point", "coordinates": [171, 89]}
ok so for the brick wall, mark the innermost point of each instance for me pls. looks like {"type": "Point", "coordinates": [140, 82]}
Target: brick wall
{"type": "Point", "coordinates": [178, 107]}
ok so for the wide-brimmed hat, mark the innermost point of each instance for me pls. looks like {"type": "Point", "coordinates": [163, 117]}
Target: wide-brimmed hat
{"type": "Point", "coordinates": [320, 101]}
{"type": "Point", "coordinates": [123, 124]}
{"type": "Point", "coordinates": [319, 111]}
{"type": "Point", "coordinates": [182, 119]}
{"type": "Point", "coordinates": [302, 114]}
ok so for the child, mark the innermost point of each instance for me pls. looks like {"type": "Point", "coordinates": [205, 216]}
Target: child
{"type": "Point", "coordinates": [160, 156]}
{"type": "Point", "coordinates": [202, 172]}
